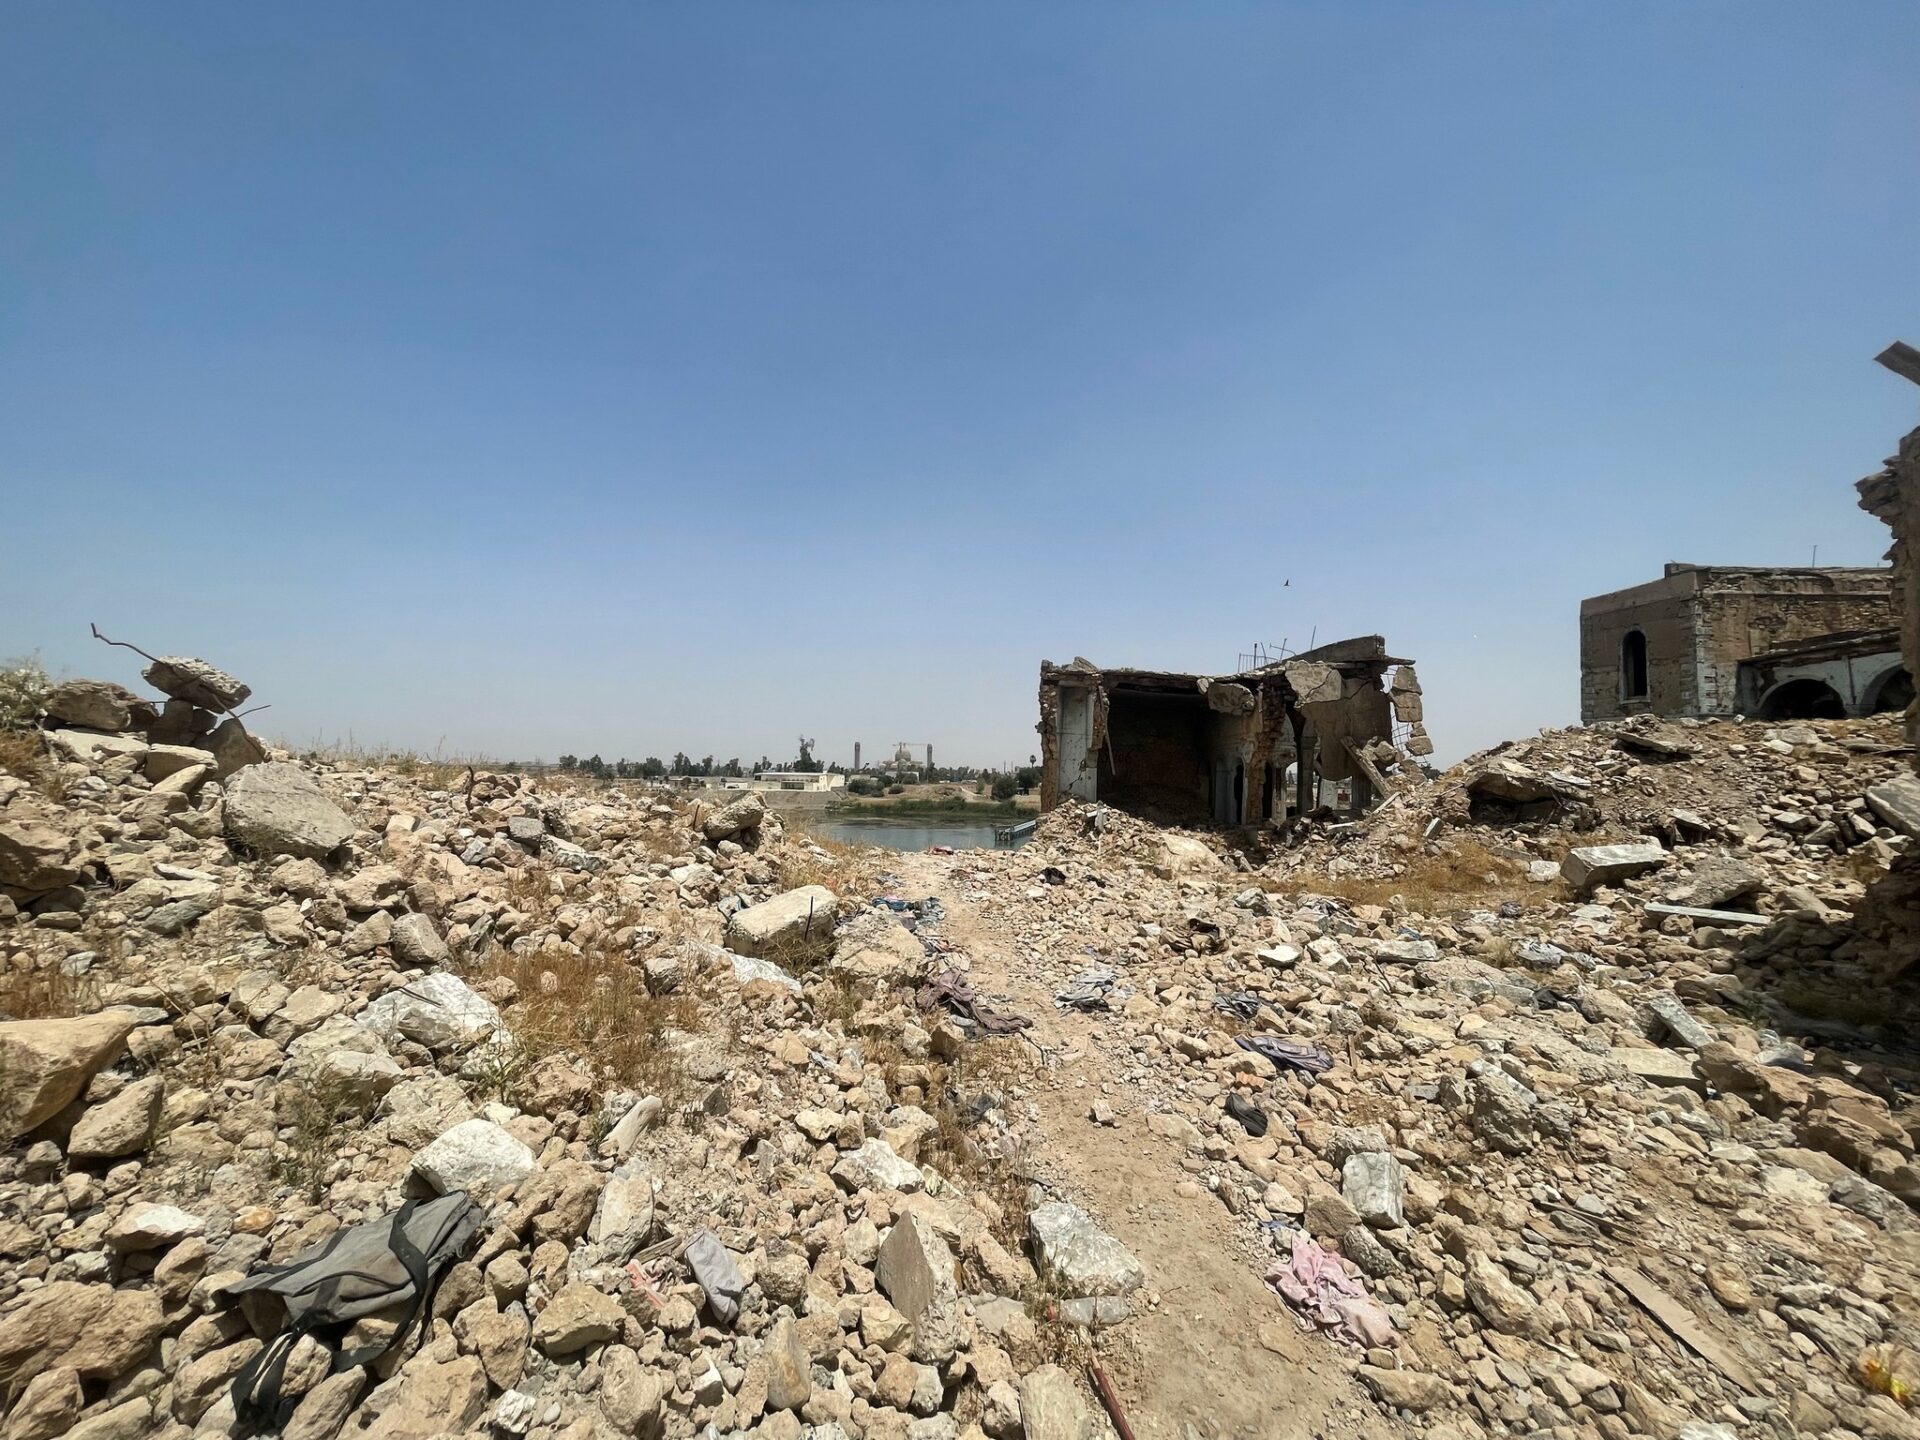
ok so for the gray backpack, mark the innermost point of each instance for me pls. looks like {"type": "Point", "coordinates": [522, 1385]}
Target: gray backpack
{"type": "Point", "coordinates": [395, 1259]}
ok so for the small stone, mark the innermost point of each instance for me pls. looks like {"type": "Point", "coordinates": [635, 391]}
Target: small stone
{"type": "Point", "coordinates": [1051, 1407]}
{"type": "Point", "coordinates": [1729, 1285]}
{"type": "Point", "coordinates": [1410, 1390]}
{"type": "Point", "coordinates": [475, 1155]}
{"type": "Point", "coordinates": [575, 1318]}
{"type": "Point", "coordinates": [1373, 1185]}
{"type": "Point", "coordinates": [152, 1227]}
{"type": "Point", "coordinates": [121, 1126]}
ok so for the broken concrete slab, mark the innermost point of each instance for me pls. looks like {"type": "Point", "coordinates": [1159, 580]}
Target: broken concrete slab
{"type": "Point", "coordinates": [1591, 866]}
{"type": "Point", "coordinates": [195, 681]}
{"type": "Point", "coordinates": [1898, 803]}
{"type": "Point", "coordinates": [797, 923]}
{"type": "Point", "coordinates": [1709, 917]}
{"type": "Point", "coordinates": [1658, 1067]}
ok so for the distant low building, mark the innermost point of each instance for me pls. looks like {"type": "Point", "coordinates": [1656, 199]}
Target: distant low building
{"type": "Point", "coordinates": [786, 780]}
{"type": "Point", "coordinates": [1776, 643]}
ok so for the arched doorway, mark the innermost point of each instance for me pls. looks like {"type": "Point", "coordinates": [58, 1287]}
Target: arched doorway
{"type": "Point", "coordinates": [1803, 700]}
{"type": "Point", "coordinates": [1892, 691]}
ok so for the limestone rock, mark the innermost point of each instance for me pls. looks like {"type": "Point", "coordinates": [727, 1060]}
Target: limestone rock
{"type": "Point", "coordinates": [161, 761]}
{"type": "Point", "coordinates": [578, 1316]}
{"type": "Point", "coordinates": [874, 948]}
{"type": "Point", "coordinates": [33, 850]}
{"type": "Point", "coordinates": [233, 748]}
{"type": "Point", "coordinates": [417, 944]}
{"type": "Point", "coordinates": [1180, 855]}
{"type": "Point", "coordinates": [476, 1156]}
{"type": "Point", "coordinates": [743, 814]}
{"type": "Point", "coordinates": [95, 1330]}
{"type": "Point", "coordinates": [433, 1398]}
{"type": "Point", "coordinates": [789, 1371]}
{"type": "Point", "coordinates": [276, 808]}
{"type": "Point", "coordinates": [1077, 1257]}
{"type": "Point", "coordinates": [48, 1062]}
{"type": "Point", "coordinates": [797, 923]}
{"type": "Point", "coordinates": [632, 1396]}
{"type": "Point", "coordinates": [1719, 880]}
{"type": "Point", "coordinates": [120, 1126]}
{"type": "Point", "coordinates": [914, 1270]}
{"type": "Point", "coordinates": [440, 1011]}
{"type": "Point", "coordinates": [323, 1410]}
{"type": "Point", "coordinates": [196, 682]}
{"type": "Point", "coordinates": [875, 1166]}
{"type": "Point", "coordinates": [1500, 1302]}
{"type": "Point", "coordinates": [1898, 803]}
{"type": "Point", "coordinates": [1373, 1184]}
{"type": "Point", "coordinates": [1668, 1018]}
{"type": "Point", "coordinates": [1051, 1407]}
{"type": "Point", "coordinates": [98, 705]}
{"type": "Point", "coordinates": [152, 1227]}
{"type": "Point", "coordinates": [1406, 1389]}
{"type": "Point", "coordinates": [1588, 867]}
{"type": "Point", "coordinates": [47, 1408]}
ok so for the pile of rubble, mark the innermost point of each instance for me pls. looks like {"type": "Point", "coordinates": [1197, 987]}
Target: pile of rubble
{"type": "Point", "coordinates": [254, 1003]}
{"type": "Point", "coordinates": [1558, 1136]}
{"type": "Point", "coordinates": [765, 1142]}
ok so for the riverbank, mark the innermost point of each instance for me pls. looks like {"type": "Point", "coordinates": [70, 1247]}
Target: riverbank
{"type": "Point", "coordinates": [967, 809]}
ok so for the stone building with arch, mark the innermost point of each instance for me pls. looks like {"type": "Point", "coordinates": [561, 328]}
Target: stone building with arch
{"type": "Point", "coordinates": [1762, 641]}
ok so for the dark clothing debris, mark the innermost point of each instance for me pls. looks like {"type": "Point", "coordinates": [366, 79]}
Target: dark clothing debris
{"type": "Point", "coordinates": [1251, 1117]}
{"type": "Point", "coordinates": [1288, 1054]}
{"type": "Point", "coordinates": [954, 991]}
{"type": "Point", "coordinates": [1092, 989]}
{"type": "Point", "coordinates": [1241, 1004]}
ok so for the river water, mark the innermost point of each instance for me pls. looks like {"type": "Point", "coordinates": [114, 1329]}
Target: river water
{"type": "Point", "coordinates": [908, 832]}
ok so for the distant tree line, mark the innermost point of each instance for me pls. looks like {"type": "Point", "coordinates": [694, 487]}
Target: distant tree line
{"type": "Point", "coordinates": [1001, 784]}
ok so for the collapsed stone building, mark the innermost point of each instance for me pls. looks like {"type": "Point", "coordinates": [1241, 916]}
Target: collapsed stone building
{"type": "Point", "coordinates": [1883, 941]}
{"type": "Point", "coordinates": [1776, 643]}
{"type": "Point", "coordinates": [1324, 727]}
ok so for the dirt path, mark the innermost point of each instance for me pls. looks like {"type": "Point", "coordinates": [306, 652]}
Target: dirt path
{"type": "Point", "coordinates": [1218, 1356]}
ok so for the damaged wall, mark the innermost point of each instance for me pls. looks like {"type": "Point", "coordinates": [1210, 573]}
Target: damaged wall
{"type": "Point", "coordinates": [1179, 748]}
{"type": "Point", "coordinates": [1699, 623]}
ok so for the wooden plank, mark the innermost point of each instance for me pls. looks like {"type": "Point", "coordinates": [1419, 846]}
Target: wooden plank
{"type": "Point", "coordinates": [1712, 917]}
{"type": "Point", "coordinates": [1685, 1328]}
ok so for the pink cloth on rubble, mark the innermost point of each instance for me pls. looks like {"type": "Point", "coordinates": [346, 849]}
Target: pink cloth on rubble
{"type": "Point", "coordinates": [1321, 1292]}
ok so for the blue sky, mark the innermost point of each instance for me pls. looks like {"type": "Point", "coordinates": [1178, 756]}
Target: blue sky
{"type": "Point", "coordinates": [636, 378]}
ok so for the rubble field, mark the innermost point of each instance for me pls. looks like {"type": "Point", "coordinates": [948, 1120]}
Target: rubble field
{"type": "Point", "coordinates": [1530, 1104]}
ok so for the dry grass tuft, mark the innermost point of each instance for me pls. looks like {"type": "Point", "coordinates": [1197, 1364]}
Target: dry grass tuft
{"type": "Point", "coordinates": [310, 1119]}
{"type": "Point", "coordinates": [24, 753]}
{"type": "Point", "coordinates": [47, 994]}
{"type": "Point", "coordinates": [529, 889]}
{"type": "Point", "coordinates": [984, 1069]}
{"type": "Point", "coordinates": [595, 1008]}
{"type": "Point", "coordinates": [1458, 873]}
{"type": "Point", "coordinates": [844, 869]}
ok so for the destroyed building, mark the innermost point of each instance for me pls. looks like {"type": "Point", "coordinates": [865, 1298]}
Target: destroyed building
{"type": "Point", "coordinates": [1318, 729]}
{"type": "Point", "coordinates": [1779, 644]}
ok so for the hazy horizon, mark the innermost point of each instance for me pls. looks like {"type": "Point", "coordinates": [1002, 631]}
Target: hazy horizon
{"type": "Point", "coordinates": [628, 380]}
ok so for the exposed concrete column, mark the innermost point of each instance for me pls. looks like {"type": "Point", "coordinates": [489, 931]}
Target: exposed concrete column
{"type": "Point", "coordinates": [1306, 769]}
